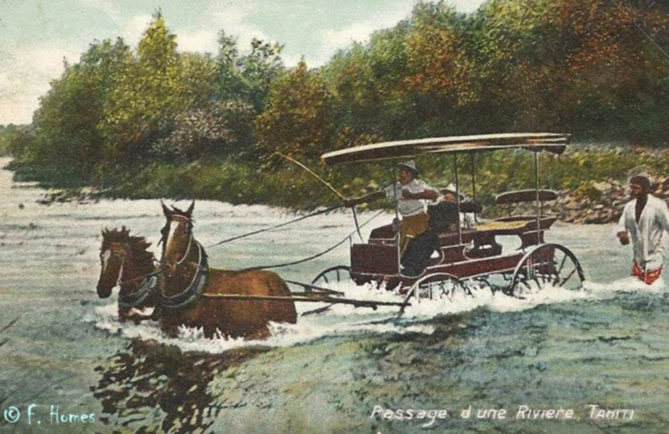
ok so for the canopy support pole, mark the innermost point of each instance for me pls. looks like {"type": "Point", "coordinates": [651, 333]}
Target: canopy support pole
{"type": "Point", "coordinates": [396, 221]}
{"type": "Point", "coordinates": [476, 220]}
{"type": "Point", "coordinates": [457, 194]}
{"type": "Point", "coordinates": [536, 188]}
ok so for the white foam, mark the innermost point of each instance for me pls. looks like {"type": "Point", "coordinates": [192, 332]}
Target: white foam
{"type": "Point", "coordinates": [627, 284]}
{"type": "Point", "coordinates": [343, 319]}
{"type": "Point", "coordinates": [340, 320]}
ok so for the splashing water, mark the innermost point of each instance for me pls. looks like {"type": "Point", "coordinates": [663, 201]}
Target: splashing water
{"type": "Point", "coordinates": [342, 319]}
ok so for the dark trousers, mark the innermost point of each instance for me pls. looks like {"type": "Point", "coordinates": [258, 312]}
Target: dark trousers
{"type": "Point", "coordinates": [418, 253]}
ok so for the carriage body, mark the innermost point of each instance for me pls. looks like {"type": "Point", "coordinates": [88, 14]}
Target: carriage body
{"type": "Point", "coordinates": [469, 254]}
{"type": "Point", "coordinates": [474, 253]}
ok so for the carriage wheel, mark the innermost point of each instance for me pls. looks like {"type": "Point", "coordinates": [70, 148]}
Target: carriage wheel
{"type": "Point", "coordinates": [436, 286]}
{"type": "Point", "coordinates": [338, 273]}
{"type": "Point", "coordinates": [483, 282]}
{"type": "Point", "coordinates": [546, 265]}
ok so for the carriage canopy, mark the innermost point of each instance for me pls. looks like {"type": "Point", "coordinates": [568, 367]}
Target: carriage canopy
{"type": "Point", "coordinates": [550, 142]}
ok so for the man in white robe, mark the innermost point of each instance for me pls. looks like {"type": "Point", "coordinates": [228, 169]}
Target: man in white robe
{"type": "Point", "coordinates": [644, 221]}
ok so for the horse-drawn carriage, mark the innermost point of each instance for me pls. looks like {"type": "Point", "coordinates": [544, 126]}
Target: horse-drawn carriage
{"type": "Point", "coordinates": [241, 303]}
{"type": "Point", "coordinates": [468, 257]}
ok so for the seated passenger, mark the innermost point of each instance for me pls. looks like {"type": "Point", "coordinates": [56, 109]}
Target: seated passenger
{"type": "Point", "coordinates": [443, 217]}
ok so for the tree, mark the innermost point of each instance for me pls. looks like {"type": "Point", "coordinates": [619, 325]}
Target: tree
{"type": "Point", "coordinates": [222, 128]}
{"type": "Point", "coordinates": [143, 104]}
{"type": "Point", "coordinates": [440, 68]}
{"type": "Point", "coordinates": [66, 123]}
{"type": "Point", "coordinates": [259, 70]}
{"type": "Point", "coordinates": [247, 78]}
{"type": "Point", "coordinates": [298, 118]}
{"type": "Point", "coordinates": [228, 82]}
{"type": "Point", "coordinates": [18, 141]}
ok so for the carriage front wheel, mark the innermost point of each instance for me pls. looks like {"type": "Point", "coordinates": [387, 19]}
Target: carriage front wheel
{"type": "Point", "coordinates": [546, 265]}
{"type": "Point", "coordinates": [336, 274]}
{"type": "Point", "coordinates": [436, 286]}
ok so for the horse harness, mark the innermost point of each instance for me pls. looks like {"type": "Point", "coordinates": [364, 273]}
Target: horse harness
{"type": "Point", "coordinates": [197, 284]}
{"type": "Point", "coordinates": [139, 295]}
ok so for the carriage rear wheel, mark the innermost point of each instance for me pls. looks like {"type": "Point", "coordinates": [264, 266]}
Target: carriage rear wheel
{"type": "Point", "coordinates": [437, 286]}
{"type": "Point", "coordinates": [546, 265]}
{"type": "Point", "coordinates": [336, 274]}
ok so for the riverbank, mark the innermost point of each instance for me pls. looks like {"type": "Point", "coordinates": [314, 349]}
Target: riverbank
{"type": "Point", "coordinates": [603, 202]}
{"type": "Point", "coordinates": [591, 181]}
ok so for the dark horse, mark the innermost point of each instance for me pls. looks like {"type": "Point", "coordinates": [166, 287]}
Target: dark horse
{"type": "Point", "coordinates": [125, 261]}
{"type": "Point", "coordinates": [188, 280]}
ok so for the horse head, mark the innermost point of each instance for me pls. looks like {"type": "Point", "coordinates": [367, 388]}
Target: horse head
{"type": "Point", "coordinates": [177, 237]}
{"type": "Point", "coordinates": [113, 254]}
{"type": "Point", "coordinates": [125, 261]}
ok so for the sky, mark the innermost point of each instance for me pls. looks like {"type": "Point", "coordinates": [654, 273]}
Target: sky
{"type": "Point", "coordinates": [36, 35]}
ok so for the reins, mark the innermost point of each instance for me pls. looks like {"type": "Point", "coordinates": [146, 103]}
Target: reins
{"type": "Point", "coordinates": [199, 260]}
{"type": "Point", "coordinates": [309, 258]}
{"type": "Point", "coordinates": [248, 234]}
{"type": "Point", "coordinates": [190, 241]}
{"type": "Point", "coordinates": [143, 276]}
{"type": "Point", "coordinates": [285, 264]}
{"type": "Point", "coordinates": [120, 282]}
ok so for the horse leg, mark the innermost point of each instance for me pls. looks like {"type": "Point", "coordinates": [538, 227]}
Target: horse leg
{"type": "Point", "coordinates": [170, 327]}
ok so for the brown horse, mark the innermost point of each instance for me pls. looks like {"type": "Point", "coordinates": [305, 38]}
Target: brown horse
{"type": "Point", "coordinates": [125, 261]}
{"type": "Point", "coordinates": [188, 280]}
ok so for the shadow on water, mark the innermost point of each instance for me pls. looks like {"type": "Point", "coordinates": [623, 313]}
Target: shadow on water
{"type": "Point", "coordinates": [162, 389]}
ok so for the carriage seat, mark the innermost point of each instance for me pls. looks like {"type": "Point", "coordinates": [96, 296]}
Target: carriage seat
{"type": "Point", "coordinates": [382, 235]}
{"type": "Point", "coordinates": [527, 195]}
{"type": "Point", "coordinates": [510, 198]}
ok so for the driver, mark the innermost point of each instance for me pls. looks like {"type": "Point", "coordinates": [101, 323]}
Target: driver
{"type": "Point", "coordinates": [411, 194]}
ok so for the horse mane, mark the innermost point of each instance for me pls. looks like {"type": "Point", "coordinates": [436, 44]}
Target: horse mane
{"type": "Point", "coordinates": [137, 244]}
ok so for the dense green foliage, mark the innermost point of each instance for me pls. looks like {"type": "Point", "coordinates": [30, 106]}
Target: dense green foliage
{"type": "Point", "coordinates": [154, 121]}
{"type": "Point", "coordinates": [4, 139]}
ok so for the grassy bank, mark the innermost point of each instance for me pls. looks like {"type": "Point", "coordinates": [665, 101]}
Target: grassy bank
{"type": "Point", "coordinates": [250, 183]}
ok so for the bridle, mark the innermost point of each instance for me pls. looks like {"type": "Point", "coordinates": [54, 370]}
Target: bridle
{"type": "Point", "coordinates": [199, 280]}
{"type": "Point", "coordinates": [139, 295]}
{"type": "Point", "coordinates": [119, 252]}
{"type": "Point", "coordinates": [163, 239]}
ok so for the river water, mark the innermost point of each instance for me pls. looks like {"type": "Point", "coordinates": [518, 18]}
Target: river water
{"type": "Point", "coordinates": [63, 354]}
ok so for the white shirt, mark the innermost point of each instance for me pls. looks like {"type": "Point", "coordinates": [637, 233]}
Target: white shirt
{"type": "Point", "coordinates": [408, 207]}
{"type": "Point", "coordinates": [646, 236]}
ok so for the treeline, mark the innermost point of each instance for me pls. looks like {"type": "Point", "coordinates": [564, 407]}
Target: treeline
{"type": "Point", "coordinates": [144, 120]}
